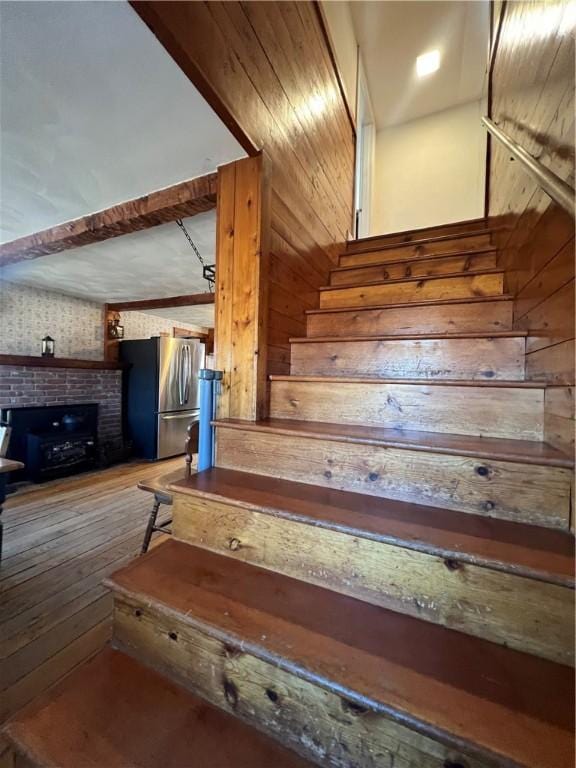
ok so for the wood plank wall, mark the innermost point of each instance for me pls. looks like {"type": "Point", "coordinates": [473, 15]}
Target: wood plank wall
{"type": "Point", "coordinates": [242, 287]}
{"type": "Point", "coordinates": [266, 69]}
{"type": "Point", "coordinates": [532, 92]}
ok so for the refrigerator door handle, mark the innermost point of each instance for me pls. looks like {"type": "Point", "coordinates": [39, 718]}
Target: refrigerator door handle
{"type": "Point", "coordinates": [174, 416]}
{"type": "Point", "coordinates": [187, 353]}
{"type": "Point", "coordinates": [180, 366]}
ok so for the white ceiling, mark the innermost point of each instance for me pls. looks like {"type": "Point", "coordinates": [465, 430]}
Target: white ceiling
{"type": "Point", "coordinates": [154, 263]}
{"type": "Point", "coordinates": [95, 112]}
{"type": "Point", "coordinates": [392, 34]}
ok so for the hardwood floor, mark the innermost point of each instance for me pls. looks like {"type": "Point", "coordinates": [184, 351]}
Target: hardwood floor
{"type": "Point", "coordinates": [60, 541]}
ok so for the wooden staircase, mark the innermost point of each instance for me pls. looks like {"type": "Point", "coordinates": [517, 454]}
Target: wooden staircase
{"type": "Point", "coordinates": [380, 574]}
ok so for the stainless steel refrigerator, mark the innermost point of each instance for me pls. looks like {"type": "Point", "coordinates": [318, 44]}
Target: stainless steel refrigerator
{"type": "Point", "coordinates": [160, 393]}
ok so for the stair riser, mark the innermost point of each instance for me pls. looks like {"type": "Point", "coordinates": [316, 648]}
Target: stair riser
{"type": "Point", "coordinates": [411, 251]}
{"type": "Point", "coordinates": [464, 263]}
{"type": "Point", "coordinates": [507, 490]}
{"type": "Point", "coordinates": [484, 359]}
{"type": "Point", "coordinates": [431, 289]}
{"type": "Point", "coordinates": [456, 229]}
{"type": "Point", "coordinates": [462, 596]}
{"type": "Point", "coordinates": [478, 317]}
{"type": "Point", "coordinates": [318, 723]}
{"type": "Point", "coordinates": [486, 411]}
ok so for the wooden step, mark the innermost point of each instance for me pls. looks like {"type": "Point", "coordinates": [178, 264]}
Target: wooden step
{"type": "Point", "coordinates": [407, 235]}
{"type": "Point", "coordinates": [444, 356]}
{"type": "Point", "coordinates": [353, 683]}
{"type": "Point", "coordinates": [452, 243]}
{"type": "Point", "coordinates": [480, 314]}
{"type": "Point", "coordinates": [113, 712]}
{"type": "Point", "coordinates": [523, 550]}
{"type": "Point", "coordinates": [507, 479]}
{"type": "Point", "coordinates": [500, 409]}
{"type": "Point", "coordinates": [460, 571]}
{"type": "Point", "coordinates": [467, 261]}
{"type": "Point", "coordinates": [458, 286]}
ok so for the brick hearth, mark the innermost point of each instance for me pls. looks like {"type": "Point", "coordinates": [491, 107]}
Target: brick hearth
{"type": "Point", "coordinates": [26, 385]}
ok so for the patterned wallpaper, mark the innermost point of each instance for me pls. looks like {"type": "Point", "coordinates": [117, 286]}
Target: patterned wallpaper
{"type": "Point", "coordinates": [28, 314]}
{"type": "Point", "coordinates": [141, 325]}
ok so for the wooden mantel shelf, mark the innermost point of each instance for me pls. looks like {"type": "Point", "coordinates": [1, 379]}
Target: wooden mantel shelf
{"type": "Point", "coordinates": [58, 362]}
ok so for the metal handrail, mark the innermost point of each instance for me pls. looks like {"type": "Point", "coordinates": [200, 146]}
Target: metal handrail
{"type": "Point", "coordinates": [555, 187]}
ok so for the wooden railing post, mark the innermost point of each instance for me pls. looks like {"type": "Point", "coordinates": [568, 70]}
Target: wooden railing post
{"type": "Point", "coordinates": [242, 287]}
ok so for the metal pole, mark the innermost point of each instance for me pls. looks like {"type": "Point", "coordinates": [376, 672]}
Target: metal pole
{"type": "Point", "coordinates": [209, 385]}
{"type": "Point", "coordinates": [561, 192]}
{"type": "Point", "coordinates": [205, 448]}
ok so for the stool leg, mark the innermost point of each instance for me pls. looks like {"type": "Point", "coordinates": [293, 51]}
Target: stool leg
{"type": "Point", "coordinates": [150, 527]}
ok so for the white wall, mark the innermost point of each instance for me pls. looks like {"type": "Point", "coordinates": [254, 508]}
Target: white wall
{"type": "Point", "coordinates": [345, 48]}
{"type": "Point", "coordinates": [430, 171]}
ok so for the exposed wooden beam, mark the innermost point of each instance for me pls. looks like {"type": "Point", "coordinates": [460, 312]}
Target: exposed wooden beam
{"type": "Point", "coordinates": [172, 301]}
{"type": "Point", "coordinates": [176, 202]}
{"type": "Point", "coordinates": [194, 332]}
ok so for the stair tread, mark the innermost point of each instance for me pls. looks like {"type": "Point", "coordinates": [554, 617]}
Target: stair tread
{"type": "Point", "coordinates": [423, 241]}
{"type": "Point", "coordinates": [113, 711]}
{"type": "Point", "coordinates": [482, 222]}
{"type": "Point", "coordinates": [416, 336]}
{"type": "Point", "coordinates": [491, 448]}
{"type": "Point", "coordinates": [426, 303]}
{"type": "Point", "coordinates": [429, 257]}
{"type": "Point", "coordinates": [417, 279]}
{"type": "Point", "coordinates": [547, 555]}
{"type": "Point", "coordinates": [511, 383]}
{"type": "Point", "coordinates": [496, 702]}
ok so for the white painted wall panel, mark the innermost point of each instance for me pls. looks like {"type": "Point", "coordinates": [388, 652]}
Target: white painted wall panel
{"type": "Point", "coordinates": [430, 170]}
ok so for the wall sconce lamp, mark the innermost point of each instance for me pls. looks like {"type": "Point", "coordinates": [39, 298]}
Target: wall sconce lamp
{"type": "Point", "coordinates": [115, 330]}
{"type": "Point", "coordinates": [47, 346]}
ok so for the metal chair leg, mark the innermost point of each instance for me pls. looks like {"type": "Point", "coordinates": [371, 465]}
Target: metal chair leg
{"type": "Point", "coordinates": [151, 526]}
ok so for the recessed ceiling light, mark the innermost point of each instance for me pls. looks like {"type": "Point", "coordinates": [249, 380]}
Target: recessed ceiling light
{"type": "Point", "coordinates": [427, 63]}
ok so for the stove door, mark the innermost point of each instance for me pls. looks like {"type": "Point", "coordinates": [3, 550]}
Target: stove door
{"type": "Point", "coordinates": [172, 432]}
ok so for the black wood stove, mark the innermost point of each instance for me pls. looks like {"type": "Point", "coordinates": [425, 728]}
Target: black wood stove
{"type": "Point", "coordinates": [52, 440]}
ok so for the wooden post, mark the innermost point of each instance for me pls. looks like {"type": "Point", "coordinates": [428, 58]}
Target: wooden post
{"type": "Point", "coordinates": [242, 287]}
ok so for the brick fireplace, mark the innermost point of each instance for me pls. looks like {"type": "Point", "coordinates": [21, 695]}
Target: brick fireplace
{"type": "Point", "coordinates": [32, 385]}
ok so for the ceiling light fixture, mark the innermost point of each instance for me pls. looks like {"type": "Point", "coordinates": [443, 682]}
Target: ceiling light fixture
{"type": "Point", "coordinates": [427, 63]}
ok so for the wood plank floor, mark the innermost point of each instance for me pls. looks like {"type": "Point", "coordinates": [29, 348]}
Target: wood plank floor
{"type": "Point", "coordinates": [60, 541]}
